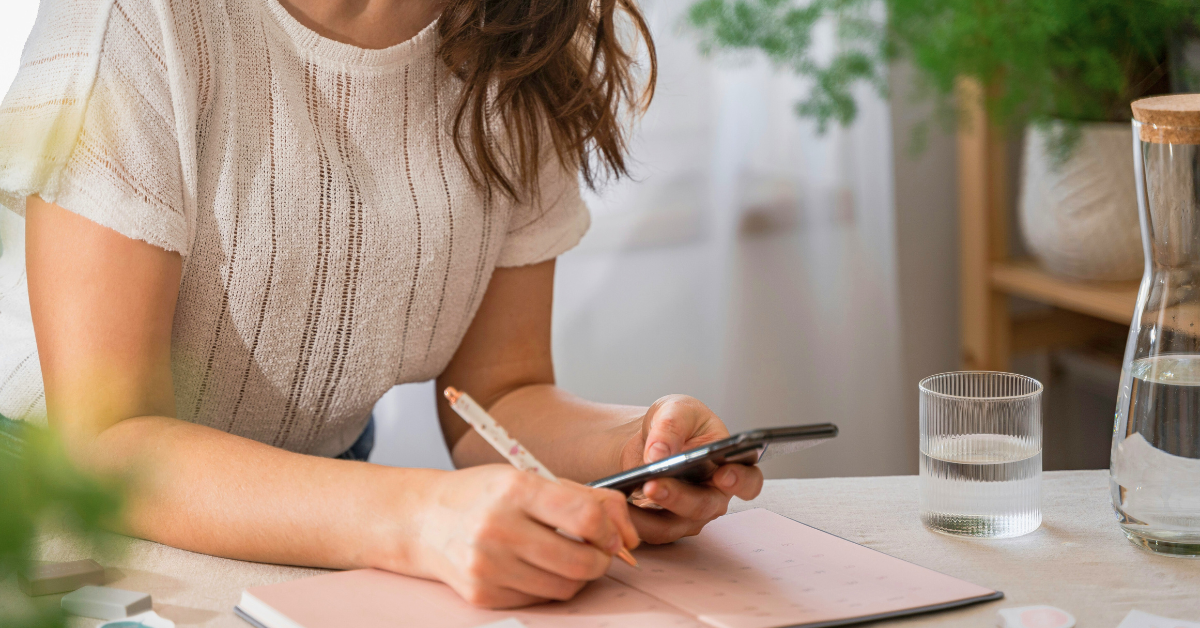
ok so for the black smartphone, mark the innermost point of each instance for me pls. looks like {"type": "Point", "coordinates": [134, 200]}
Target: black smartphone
{"type": "Point", "coordinates": [698, 465]}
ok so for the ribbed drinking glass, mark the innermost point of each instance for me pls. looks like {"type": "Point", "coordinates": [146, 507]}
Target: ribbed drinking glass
{"type": "Point", "coordinates": [981, 454]}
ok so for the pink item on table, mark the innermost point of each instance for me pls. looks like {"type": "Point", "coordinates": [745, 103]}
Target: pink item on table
{"type": "Point", "coordinates": [754, 569]}
{"type": "Point", "coordinates": [758, 569]}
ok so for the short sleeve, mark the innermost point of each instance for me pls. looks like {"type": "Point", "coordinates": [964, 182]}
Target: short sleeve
{"type": "Point", "coordinates": [550, 224]}
{"type": "Point", "coordinates": [90, 120]}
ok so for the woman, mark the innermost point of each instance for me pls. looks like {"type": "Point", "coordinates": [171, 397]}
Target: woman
{"type": "Point", "coordinates": [245, 220]}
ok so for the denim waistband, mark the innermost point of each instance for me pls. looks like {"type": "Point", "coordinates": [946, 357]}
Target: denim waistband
{"type": "Point", "coordinates": [361, 449]}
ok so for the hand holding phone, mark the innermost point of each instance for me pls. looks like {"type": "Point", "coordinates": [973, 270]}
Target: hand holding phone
{"type": "Point", "coordinates": [698, 465]}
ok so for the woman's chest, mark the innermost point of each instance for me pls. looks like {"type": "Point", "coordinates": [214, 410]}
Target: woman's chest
{"type": "Point", "coordinates": [335, 222]}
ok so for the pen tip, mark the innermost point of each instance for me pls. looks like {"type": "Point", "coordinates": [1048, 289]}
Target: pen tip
{"type": "Point", "coordinates": [628, 558]}
{"type": "Point", "coordinates": [452, 394]}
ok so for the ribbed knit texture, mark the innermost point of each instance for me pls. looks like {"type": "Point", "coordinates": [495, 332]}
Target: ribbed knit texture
{"type": "Point", "coordinates": [333, 243]}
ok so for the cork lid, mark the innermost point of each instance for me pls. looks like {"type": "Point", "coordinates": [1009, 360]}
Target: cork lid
{"type": "Point", "coordinates": [1172, 119]}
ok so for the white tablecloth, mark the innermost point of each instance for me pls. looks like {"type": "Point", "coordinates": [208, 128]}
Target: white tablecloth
{"type": "Point", "coordinates": [1078, 560]}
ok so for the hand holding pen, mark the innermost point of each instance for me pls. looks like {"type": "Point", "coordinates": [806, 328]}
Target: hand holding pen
{"type": "Point", "coordinates": [489, 532]}
{"type": "Point", "coordinates": [507, 446]}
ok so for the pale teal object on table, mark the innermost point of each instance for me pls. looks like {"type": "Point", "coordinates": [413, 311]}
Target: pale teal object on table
{"type": "Point", "coordinates": [105, 602]}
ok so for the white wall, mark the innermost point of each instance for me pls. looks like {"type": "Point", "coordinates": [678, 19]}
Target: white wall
{"type": "Point", "coordinates": [16, 20]}
{"type": "Point", "coordinates": [407, 433]}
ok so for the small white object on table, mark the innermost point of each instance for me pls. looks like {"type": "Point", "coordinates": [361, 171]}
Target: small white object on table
{"type": "Point", "coordinates": [1078, 560]}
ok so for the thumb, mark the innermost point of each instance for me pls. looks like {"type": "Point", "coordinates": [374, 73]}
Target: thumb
{"type": "Point", "coordinates": [668, 424]}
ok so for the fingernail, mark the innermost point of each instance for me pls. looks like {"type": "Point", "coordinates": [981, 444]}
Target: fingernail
{"type": "Point", "coordinates": [659, 492]}
{"type": "Point", "coordinates": [615, 545]}
{"type": "Point", "coordinates": [729, 479]}
{"type": "Point", "coordinates": [658, 451]}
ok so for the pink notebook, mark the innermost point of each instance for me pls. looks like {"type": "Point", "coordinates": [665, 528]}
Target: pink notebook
{"type": "Point", "coordinates": [754, 569]}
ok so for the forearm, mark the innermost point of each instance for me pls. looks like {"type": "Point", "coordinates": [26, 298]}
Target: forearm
{"type": "Point", "coordinates": [577, 439]}
{"type": "Point", "coordinates": [207, 491]}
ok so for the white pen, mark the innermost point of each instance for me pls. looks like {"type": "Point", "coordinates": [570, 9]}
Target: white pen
{"type": "Point", "coordinates": [498, 438]}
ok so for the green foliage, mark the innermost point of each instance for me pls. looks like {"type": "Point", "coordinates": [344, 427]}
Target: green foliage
{"type": "Point", "coordinates": [784, 32]}
{"type": "Point", "coordinates": [39, 485]}
{"type": "Point", "coordinates": [1073, 60]}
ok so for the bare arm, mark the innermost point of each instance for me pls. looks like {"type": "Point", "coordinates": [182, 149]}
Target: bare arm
{"type": "Point", "coordinates": [103, 306]}
{"type": "Point", "coordinates": [505, 362]}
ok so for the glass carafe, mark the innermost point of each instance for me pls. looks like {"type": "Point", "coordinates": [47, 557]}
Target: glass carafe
{"type": "Point", "coordinates": [1155, 472]}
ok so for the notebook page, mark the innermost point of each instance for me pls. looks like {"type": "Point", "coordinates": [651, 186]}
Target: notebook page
{"type": "Point", "coordinates": [369, 598]}
{"type": "Point", "coordinates": [757, 569]}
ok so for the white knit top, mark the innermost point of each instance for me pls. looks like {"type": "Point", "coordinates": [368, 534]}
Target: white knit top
{"type": "Point", "coordinates": [333, 244]}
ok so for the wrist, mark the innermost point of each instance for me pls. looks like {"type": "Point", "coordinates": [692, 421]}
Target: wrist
{"type": "Point", "coordinates": [391, 537]}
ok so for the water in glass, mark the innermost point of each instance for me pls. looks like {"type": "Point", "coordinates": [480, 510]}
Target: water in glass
{"type": "Point", "coordinates": [981, 485]}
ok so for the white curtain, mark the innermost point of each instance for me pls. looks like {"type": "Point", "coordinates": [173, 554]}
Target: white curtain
{"type": "Point", "coordinates": [752, 264]}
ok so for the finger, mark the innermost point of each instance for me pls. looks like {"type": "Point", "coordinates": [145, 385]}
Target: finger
{"type": "Point", "coordinates": [739, 480]}
{"type": "Point", "coordinates": [673, 421]}
{"type": "Point", "coordinates": [485, 577]}
{"type": "Point", "coordinates": [690, 501]}
{"type": "Point", "coordinates": [576, 510]}
{"type": "Point", "coordinates": [615, 506]}
{"type": "Point", "coordinates": [494, 597]}
{"type": "Point", "coordinates": [663, 526]}
{"type": "Point", "coordinates": [557, 555]}
{"type": "Point", "coordinates": [503, 580]}
{"type": "Point", "coordinates": [539, 583]}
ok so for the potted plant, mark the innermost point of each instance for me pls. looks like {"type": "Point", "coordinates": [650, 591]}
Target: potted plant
{"type": "Point", "coordinates": [1065, 69]}
{"type": "Point", "coordinates": [39, 487]}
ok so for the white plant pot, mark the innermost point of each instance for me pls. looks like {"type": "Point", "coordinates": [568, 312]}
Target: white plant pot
{"type": "Point", "coordinates": [1080, 219]}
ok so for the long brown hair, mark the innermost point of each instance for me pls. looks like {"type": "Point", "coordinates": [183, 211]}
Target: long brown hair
{"type": "Point", "coordinates": [536, 67]}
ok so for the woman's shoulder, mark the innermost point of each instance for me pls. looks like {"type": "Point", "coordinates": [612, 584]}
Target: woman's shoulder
{"type": "Point", "coordinates": [161, 49]}
{"type": "Point", "coordinates": [87, 22]}
{"type": "Point", "coordinates": [70, 37]}
{"type": "Point", "coordinates": [105, 89]}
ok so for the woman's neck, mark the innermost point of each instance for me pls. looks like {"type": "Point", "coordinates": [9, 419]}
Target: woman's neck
{"type": "Point", "coordinates": [372, 24]}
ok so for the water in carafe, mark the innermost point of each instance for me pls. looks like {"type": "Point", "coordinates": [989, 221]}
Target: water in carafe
{"type": "Point", "coordinates": [1156, 466]}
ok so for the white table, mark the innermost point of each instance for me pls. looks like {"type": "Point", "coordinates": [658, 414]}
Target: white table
{"type": "Point", "coordinates": [1078, 560]}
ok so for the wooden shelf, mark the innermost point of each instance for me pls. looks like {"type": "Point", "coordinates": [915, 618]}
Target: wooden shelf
{"type": "Point", "coordinates": [1112, 301]}
{"type": "Point", "coordinates": [1084, 311]}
